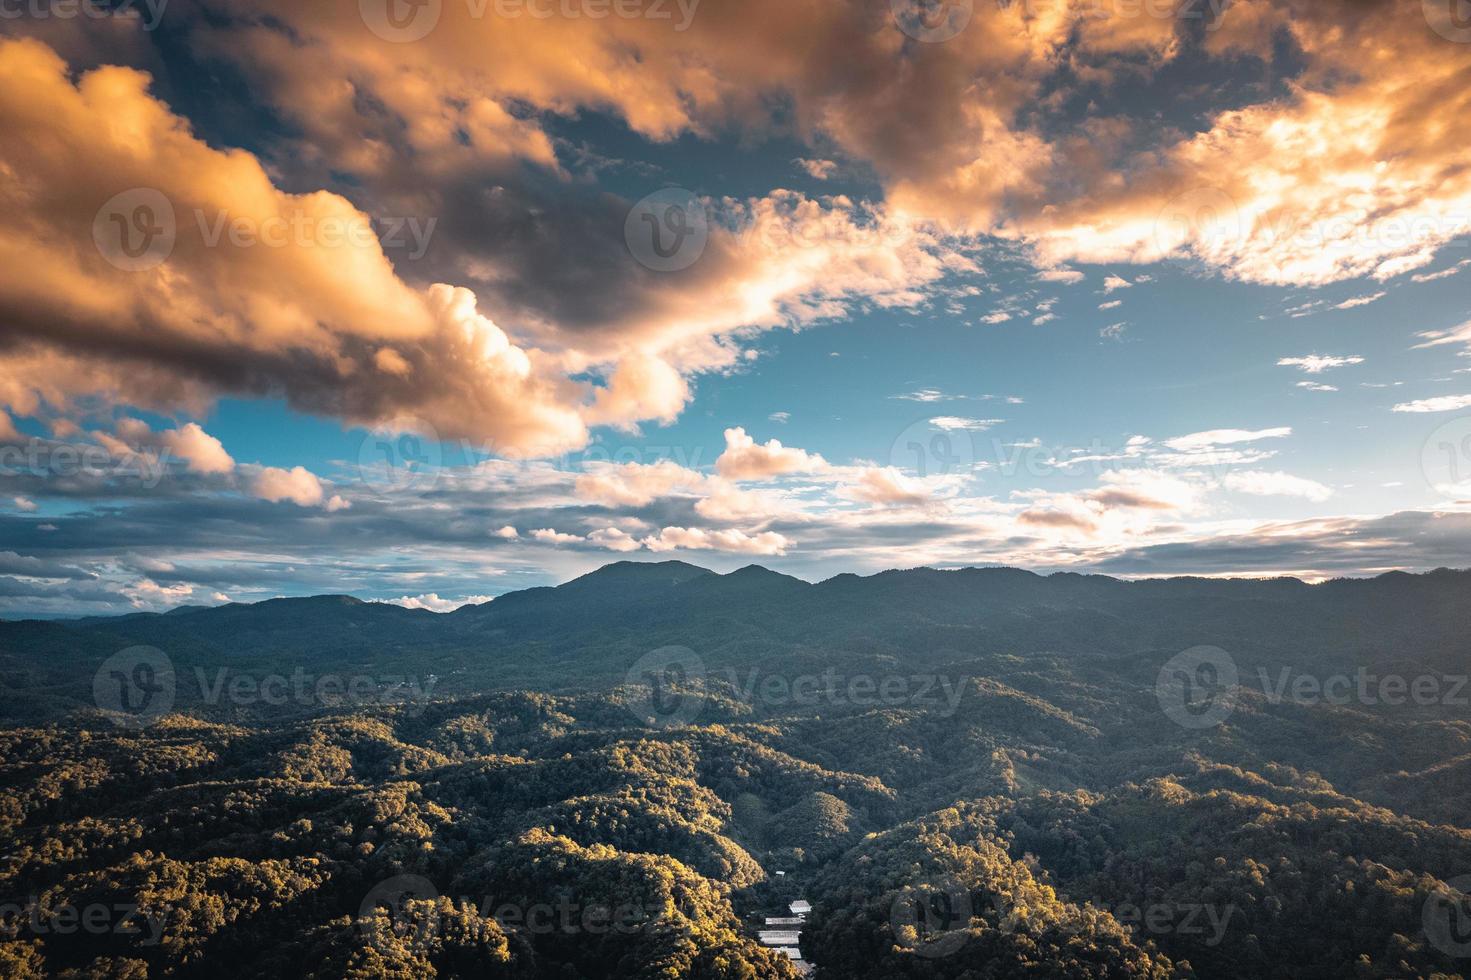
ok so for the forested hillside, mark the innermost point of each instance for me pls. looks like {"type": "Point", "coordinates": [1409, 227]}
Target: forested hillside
{"type": "Point", "coordinates": [967, 774]}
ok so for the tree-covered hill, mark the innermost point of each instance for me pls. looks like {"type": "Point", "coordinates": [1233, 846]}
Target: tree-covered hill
{"type": "Point", "coordinates": [968, 774]}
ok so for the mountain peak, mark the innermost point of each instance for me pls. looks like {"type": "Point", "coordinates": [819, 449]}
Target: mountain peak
{"type": "Point", "coordinates": [676, 571]}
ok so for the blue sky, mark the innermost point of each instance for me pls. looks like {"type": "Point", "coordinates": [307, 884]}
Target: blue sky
{"type": "Point", "coordinates": [1085, 289]}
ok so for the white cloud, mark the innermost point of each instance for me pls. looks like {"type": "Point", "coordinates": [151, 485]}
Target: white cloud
{"type": "Point", "coordinates": [1440, 338]}
{"type": "Point", "coordinates": [433, 602]}
{"type": "Point", "coordinates": [1277, 484]}
{"type": "Point", "coordinates": [555, 537]}
{"type": "Point", "coordinates": [925, 395]}
{"type": "Point", "coordinates": [745, 459]}
{"type": "Point", "coordinates": [614, 539]}
{"type": "Point", "coordinates": [1317, 364]}
{"type": "Point", "coordinates": [699, 539]}
{"type": "Point", "coordinates": [886, 485]}
{"type": "Point", "coordinates": [1198, 441]}
{"type": "Point", "coordinates": [633, 484]}
{"type": "Point", "coordinates": [952, 423]}
{"type": "Point", "coordinates": [1113, 283]}
{"type": "Point", "coordinates": [1357, 301]}
{"type": "Point", "coordinates": [1442, 274]}
{"type": "Point", "coordinates": [298, 485]}
{"type": "Point", "coordinates": [1445, 403]}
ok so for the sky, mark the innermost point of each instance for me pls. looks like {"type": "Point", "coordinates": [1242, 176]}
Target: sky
{"type": "Point", "coordinates": [426, 301]}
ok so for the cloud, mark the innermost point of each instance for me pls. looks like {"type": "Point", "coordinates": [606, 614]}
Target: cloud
{"type": "Point", "coordinates": [817, 169]}
{"type": "Point", "coordinates": [886, 485]}
{"type": "Point", "coordinates": [1112, 304]}
{"type": "Point", "coordinates": [198, 450]}
{"type": "Point", "coordinates": [726, 502]}
{"type": "Point", "coordinates": [1315, 386]}
{"type": "Point", "coordinates": [1442, 274]}
{"type": "Point", "coordinates": [201, 451]}
{"type": "Point", "coordinates": [1276, 484]}
{"type": "Point", "coordinates": [434, 603]}
{"type": "Point", "coordinates": [745, 459]}
{"type": "Point", "coordinates": [614, 539]}
{"type": "Point", "coordinates": [298, 485]}
{"type": "Point", "coordinates": [951, 423]}
{"type": "Point", "coordinates": [1205, 441]}
{"type": "Point", "coordinates": [1317, 364]}
{"type": "Point", "coordinates": [306, 309]}
{"type": "Point", "coordinates": [1443, 403]}
{"type": "Point", "coordinates": [1068, 276]}
{"type": "Point", "coordinates": [1058, 519]}
{"type": "Point", "coordinates": [925, 395]}
{"type": "Point", "coordinates": [1440, 338]}
{"type": "Point", "coordinates": [633, 484]}
{"type": "Point", "coordinates": [1271, 186]}
{"type": "Point", "coordinates": [1114, 283]}
{"type": "Point", "coordinates": [699, 539]}
{"type": "Point", "coordinates": [551, 536]}
{"type": "Point", "coordinates": [1357, 301]}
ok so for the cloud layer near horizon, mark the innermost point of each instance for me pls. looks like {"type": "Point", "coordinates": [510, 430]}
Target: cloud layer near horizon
{"type": "Point", "coordinates": [151, 264]}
